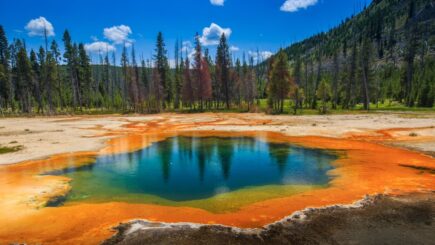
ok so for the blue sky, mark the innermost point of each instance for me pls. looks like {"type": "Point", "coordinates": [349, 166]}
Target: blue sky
{"type": "Point", "coordinates": [265, 25]}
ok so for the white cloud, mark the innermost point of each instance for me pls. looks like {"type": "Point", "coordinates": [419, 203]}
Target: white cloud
{"type": "Point", "coordinates": [37, 27]}
{"type": "Point", "coordinates": [212, 34]}
{"type": "Point", "coordinates": [97, 47]}
{"type": "Point", "coordinates": [186, 46]}
{"type": "Point", "coordinates": [295, 5]}
{"type": "Point", "coordinates": [129, 43]}
{"type": "Point", "coordinates": [118, 34]}
{"type": "Point", "coordinates": [217, 2]}
{"type": "Point", "coordinates": [260, 56]}
{"type": "Point", "coordinates": [187, 49]}
{"type": "Point", "coordinates": [234, 49]}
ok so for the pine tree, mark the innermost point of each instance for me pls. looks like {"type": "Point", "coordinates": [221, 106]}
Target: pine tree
{"type": "Point", "coordinates": [162, 66]}
{"type": "Point", "coordinates": [55, 53]}
{"type": "Point", "coordinates": [187, 90]}
{"type": "Point", "coordinates": [125, 77]}
{"type": "Point", "coordinates": [51, 78]}
{"type": "Point", "coordinates": [157, 91]}
{"type": "Point", "coordinates": [40, 75]}
{"type": "Point", "coordinates": [144, 82]}
{"type": "Point", "coordinates": [267, 92]}
{"type": "Point", "coordinates": [211, 68]}
{"type": "Point", "coordinates": [181, 81]}
{"type": "Point", "coordinates": [223, 65]}
{"type": "Point", "coordinates": [366, 71]}
{"type": "Point", "coordinates": [24, 78]}
{"type": "Point", "coordinates": [70, 59]}
{"type": "Point", "coordinates": [297, 94]}
{"type": "Point", "coordinates": [297, 71]}
{"type": "Point", "coordinates": [237, 78]}
{"type": "Point", "coordinates": [297, 75]}
{"type": "Point", "coordinates": [250, 84]}
{"type": "Point", "coordinates": [196, 72]}
{"type": "Point", "coordinates": [178, 77]}
{"type": "Point", "coordinates": [84, 74]}
{"type": "Point", "coordinates": [318, 77]}
{"type": "Point", "coordinates": [115, 83]}
{"type": "Point", "coordinates": [78, 82]}
{"type": "Point", "coordinates": [5, 85]}
{"type": "Point", "coordinates": [280, 82]}
{"type": "Point", "coordinates": [205, 89]}
{"type": "Point", "coordinates": [308, 74]}
{"type": "Point", "coordinates": [349, 101]}
{"type": "Point", "coordinates": [324, 93]}
{"type": "Point", "coordinates": [134, 85]}
{"type": "Point", "coordinates": [107, 81]}
{"type": "Point", "coordinates": [14, 100]}
{"type": "Point", "coordinates": [335, 82]}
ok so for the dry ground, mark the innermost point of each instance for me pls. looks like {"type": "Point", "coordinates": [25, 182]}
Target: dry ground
{"type": "Point", "coordinates": [44, 136]}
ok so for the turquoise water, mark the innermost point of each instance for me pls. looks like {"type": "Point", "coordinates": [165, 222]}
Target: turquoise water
{"type": "Point", "coordinates": [191, 168]}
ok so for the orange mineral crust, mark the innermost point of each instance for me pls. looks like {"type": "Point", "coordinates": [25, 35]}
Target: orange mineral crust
{"type": "Point", "coordinates": [364, 168]}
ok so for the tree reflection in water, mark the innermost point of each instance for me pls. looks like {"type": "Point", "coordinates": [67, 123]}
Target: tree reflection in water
{"type": "Point", "coordinates": [191, 168]}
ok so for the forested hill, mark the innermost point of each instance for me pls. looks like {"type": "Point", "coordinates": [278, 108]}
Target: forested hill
{"type": "Point", "coordinates": [386, 51]}
{"type": "Point", "coordinates": [384, 22]}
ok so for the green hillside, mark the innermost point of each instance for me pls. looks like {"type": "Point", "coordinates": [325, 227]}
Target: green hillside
{"type": "Point", "coordinates": [385, 52]}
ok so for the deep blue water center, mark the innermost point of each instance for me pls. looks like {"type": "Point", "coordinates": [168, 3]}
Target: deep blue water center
{"type": "Point", "coordinates": [191, 168]}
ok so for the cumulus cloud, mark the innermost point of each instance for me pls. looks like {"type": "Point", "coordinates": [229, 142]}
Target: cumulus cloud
{"type": "Point", "coordinates": [118, 34]}
{"type": "Point", "coordinates": [217, 2]}
{"type": "Point", "coordinates": [212, 34]}
{"type": "Point", "coordinates": [97, 47]}
{"type": "Point", "coordinates": [187, 49]}
{"type": "Point", "coordinates": [295, 5]}
{"type": "Point", "coordinates": [186, 46]}
{"type": "Point", "coordinates": [234, 48]}
{"type": "Point", "coordinates": [38, 27]}
{"type": "Point", "coordinates": [259, 56]}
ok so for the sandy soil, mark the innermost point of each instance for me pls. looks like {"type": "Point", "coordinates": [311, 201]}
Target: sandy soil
{"type": "Point", "coordinates": [43, 137]}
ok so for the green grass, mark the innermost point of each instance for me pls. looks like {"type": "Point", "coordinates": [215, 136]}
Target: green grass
{"type": "Point", "coordinates": [387, 106]}
{"type": "Point", "coordinates": [395, 106]}
{"type": "Point", "coordinates": [10, 149]}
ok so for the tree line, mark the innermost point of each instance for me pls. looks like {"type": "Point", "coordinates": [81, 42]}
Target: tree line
{"type": "Point", "coordinates": [48, 82]}
{"type": "Point", "coordinates": [368, 59]}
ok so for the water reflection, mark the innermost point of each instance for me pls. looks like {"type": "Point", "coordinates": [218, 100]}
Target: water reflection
{"type": "Point", "coordinates": [280, 155]}
{"type": "Point", "coordinates": [189, 168]}
{"type": "Point", "coordinates": [164, 150]}
{"type": "Point", "coordinates": [204, 154]}
{"type": "Point", "coordinates": [225, 154]}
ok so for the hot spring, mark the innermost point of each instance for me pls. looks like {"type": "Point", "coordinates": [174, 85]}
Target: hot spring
{"type": "Point", "coordinates": [218, 174]}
